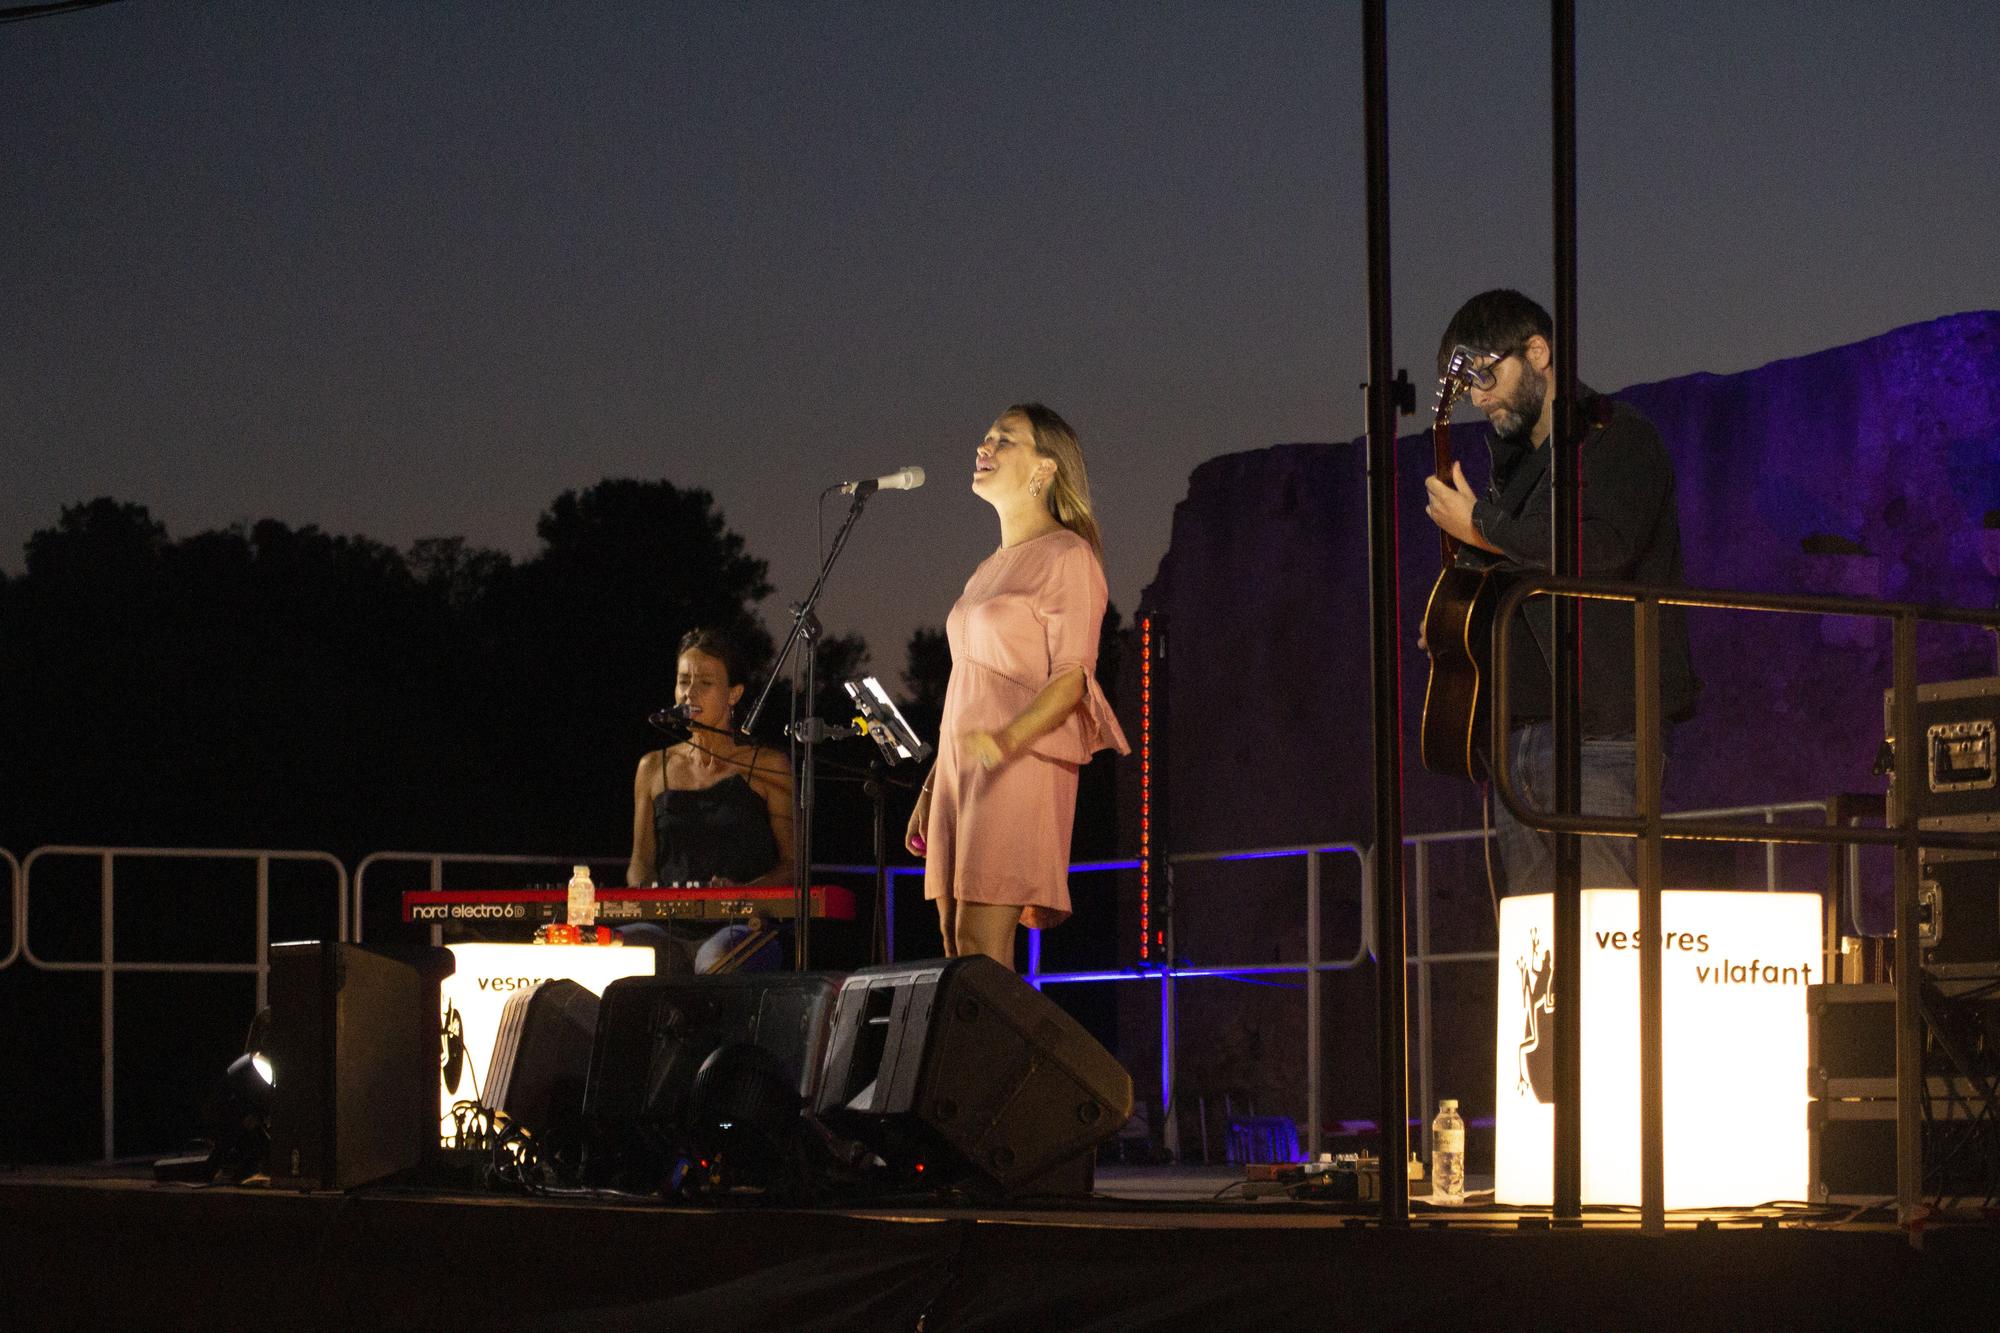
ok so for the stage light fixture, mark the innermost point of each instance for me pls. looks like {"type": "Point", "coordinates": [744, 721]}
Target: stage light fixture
{"type": "Point", "coordinates": [237, 1119]}
{"type": "Point", "coordinates": [249, 1075]}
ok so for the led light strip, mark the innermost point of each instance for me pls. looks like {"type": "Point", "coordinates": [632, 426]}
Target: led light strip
{"type": "Point", "coordinates": [1145, 787]}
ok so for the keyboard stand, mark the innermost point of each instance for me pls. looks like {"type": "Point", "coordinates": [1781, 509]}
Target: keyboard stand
{"type": "Point", "coordinates": [762, 931]}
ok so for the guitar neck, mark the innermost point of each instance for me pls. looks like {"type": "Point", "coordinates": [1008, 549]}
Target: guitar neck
{"type": "Point", "coordinates": [1441, 442]}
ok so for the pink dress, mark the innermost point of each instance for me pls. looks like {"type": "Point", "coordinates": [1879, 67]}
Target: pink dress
{"type": "Point", "coordinates": [1028, 614]}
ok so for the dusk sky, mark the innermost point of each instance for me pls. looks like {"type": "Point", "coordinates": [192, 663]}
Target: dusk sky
{"type": "Point", "coordinates": [409, 269]}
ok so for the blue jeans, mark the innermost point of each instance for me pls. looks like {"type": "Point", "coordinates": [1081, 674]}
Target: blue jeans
{"type": "Point", "coordinates": [677, 952]}
{"type": "Point", "coordinates": [1609, 766]}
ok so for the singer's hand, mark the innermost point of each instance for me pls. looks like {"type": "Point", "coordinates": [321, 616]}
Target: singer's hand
{"type": "Point", "coordinates": [920, 819]}
{"type": "Point", "coordinates": [986, 749]}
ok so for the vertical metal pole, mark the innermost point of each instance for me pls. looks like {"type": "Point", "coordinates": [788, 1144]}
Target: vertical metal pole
{"type": "Point", "coordinates": [107, 989]}
{"type": "Point", "coordinates": [1566, 493]}
{"type": "Point", "coordinates": [1158, 773]}
{"type": "Point", "coordinates": [350, 929]}
{"type": "Point", "coordinates": [1391, 983]}
{"type": "Point", "coordinates": [1426, 1089]}
{"type": "Point", "coordinates": [879, 800]}
{"type": "Point", "coordinates": [1313, 1071]}
{"type": "Point", "coordinates": [889, 922]}
{"type": "Point", "coordinates": [1770, 857]}
{"type": "Point", "coordinates": [263, 931]}
{"type": "Point", "coordinates": [437, 886]}
{"type": "Point", "coordinates": [1853, 891]}
{"type": "Point", "coordinates": [1369, 891]}
{"type": "Point", "coordinates": [802, 804]}
{"type": "Point", "coordinates": [1909, 1016]}
{"type": "Point", "coordinates": [1652, 1057]}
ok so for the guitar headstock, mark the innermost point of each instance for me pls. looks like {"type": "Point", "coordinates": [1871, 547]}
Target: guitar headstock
{"type": "Point", "coordinates": [1455, 380]}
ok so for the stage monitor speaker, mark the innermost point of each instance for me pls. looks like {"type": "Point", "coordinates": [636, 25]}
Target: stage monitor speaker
{"type": "Point", "coordinates": [541, 1058]}
{"type": "Point", "coordinates": [963, 1062]}
{"type": "Point", "coordinates": [680, 1061]}
{"type": "Point", "coordinates": [354, 1049]}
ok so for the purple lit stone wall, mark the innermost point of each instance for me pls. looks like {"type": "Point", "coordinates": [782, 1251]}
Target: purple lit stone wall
{"type": "Point", "coordinates": [1883, 457]}
{"type": "Point", "coordinates": [1892, 445]}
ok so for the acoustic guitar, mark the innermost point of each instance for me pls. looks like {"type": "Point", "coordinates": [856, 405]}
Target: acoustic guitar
{"type": "Point", "coordinates": [1458, 625]}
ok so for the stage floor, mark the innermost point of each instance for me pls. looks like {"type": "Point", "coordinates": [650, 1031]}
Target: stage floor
{"type": "Point", "coordinates": [107, 1247]}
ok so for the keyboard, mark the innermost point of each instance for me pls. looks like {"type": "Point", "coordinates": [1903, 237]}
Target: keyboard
{"type": "Point", "coordinates": [828, 902]}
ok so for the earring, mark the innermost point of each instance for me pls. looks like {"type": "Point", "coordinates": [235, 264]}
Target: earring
{"type": "Point", "coordinates": [1035, 490]}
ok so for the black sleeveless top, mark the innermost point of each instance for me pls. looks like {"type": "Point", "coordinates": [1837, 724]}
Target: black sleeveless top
{"type": "Point", "coordinates": [721, 830]}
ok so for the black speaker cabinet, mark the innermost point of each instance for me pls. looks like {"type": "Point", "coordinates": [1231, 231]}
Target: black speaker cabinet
{"type": "Point", "coordinates": [965, 1064]}
{"type": "Point", "coordinates": [1853, 1150]}
{"type": "Point", "coordinates": [1958, 905]}
{"type": "Point", "coordinates": [541, 1057]}
{"type": "Point", "coordinates": [354, 1051]}
{"type": "Point", "coordinates": [1958, 766]}
{"type": "Point", "coordinates": [675, 1057]}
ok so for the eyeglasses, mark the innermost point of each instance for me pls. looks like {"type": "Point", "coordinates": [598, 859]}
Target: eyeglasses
{"type": "Point", "coordinates": [1479, 371]}
{"type": "Point", "coordinates": [1467, 369]}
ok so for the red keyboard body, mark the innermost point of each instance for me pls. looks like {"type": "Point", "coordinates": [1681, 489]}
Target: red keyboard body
{"type": "Point", "coordinates": [829, 902]}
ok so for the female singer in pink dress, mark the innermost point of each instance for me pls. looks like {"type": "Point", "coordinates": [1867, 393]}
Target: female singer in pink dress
{"type": "Point", "coordinates": [1023, 712]}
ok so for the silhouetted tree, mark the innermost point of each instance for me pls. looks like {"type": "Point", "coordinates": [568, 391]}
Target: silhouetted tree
{"type": "Point", "coordinates": [263, 684]}
{"type": "Point", "coordinates": [462, 575]}
{"type": "Point", "coordinates": [927, 669]}
{"type": "Point", "coordinates": [587, 632]}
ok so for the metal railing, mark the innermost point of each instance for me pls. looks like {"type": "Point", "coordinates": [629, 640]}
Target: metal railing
{"type": "Point", "coordinates": [1423, 960]}
{"type": "Point", "coordinates": [109, 966]}
{"type": "Point", "coordinates": [437, 861]}
{"type": "Point", "coordinates": [16, 907]}
{"type": "Point", "coordinates": [1168, 976]}
{"type": "Point", "coordinates": [1649, 825]}
{"type": "Point", "coordinates": [1165, 975]}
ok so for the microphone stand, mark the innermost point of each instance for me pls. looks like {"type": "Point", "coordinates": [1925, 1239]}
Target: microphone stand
{"type": "Point", "coordinates": [881, 948]}
{"type": "Point", "coordinates": [806, 626]}
{"type": "Point", "coordinates": [875, 782]}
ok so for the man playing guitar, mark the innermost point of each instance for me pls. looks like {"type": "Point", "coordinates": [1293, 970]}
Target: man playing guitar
{"type": "Point", "coordinates": [1497, 349]}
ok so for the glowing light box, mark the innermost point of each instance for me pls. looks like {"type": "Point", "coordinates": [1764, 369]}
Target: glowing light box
{"type": "Point", "coordinates": [1734, 973]}
{"type": "Point", "coordinates": [488, 975]}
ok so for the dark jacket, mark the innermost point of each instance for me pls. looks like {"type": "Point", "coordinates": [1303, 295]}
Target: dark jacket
{"type": "Point", "coordinates": [1631, 533]}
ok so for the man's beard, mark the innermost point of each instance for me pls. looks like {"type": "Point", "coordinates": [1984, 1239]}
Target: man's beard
{"type": "Point", "coordinates": [1518, 415]}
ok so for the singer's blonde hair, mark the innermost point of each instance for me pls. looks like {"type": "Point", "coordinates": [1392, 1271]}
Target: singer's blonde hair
{"type": "Point", "coordinates": [1067, 495]}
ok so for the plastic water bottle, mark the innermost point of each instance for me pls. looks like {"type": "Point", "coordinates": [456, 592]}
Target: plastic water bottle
{"type": "Point", "coordinates": [582, 898]}
{"type": "Point", "coordinates": [1448, 1154]}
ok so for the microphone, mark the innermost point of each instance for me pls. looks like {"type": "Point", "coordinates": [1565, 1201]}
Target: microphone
{"type": "Point", "coordinates": [671, 719]}
{"type": "Point", "coordinates": [903, 479]}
